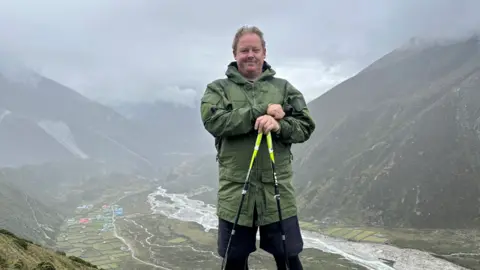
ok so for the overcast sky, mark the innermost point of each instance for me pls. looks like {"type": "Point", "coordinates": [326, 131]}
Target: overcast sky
{"type": "Point", "coordinates": [118, 50]}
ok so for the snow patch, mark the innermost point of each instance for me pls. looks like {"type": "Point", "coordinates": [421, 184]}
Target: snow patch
{"type": "Point", "coordinates": [5, 113]}
{"type": "Point", "coordinates": [62, 134]}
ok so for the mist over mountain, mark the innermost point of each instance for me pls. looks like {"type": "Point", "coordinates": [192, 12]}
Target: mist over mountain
{"type": "Point", "coordinates": [178, 126]}
{"type": "Point", "coordinates": [42, 121]}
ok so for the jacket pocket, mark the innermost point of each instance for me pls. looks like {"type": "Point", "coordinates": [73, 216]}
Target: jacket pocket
{"type": "Point", "coordinates": [230, 190]}
{"type": "Point", "coordinates": [231, 174]}
{"type": "Point", "coordinates": [283, 172]}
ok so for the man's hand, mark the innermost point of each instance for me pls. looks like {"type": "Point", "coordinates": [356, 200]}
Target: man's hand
{"type": "Point", "coordinates": [276, 111]}
{"type": "Point", "coordinates": [266, 123]}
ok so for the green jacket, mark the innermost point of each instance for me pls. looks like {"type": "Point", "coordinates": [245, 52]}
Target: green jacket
{"type": "Point", "coordinates": [229, 108]}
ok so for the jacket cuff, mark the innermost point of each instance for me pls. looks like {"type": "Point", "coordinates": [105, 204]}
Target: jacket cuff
{"type": "Point", "coordinates": [285, 129]}
{"type": "Point", "coordinates": [259, 110]}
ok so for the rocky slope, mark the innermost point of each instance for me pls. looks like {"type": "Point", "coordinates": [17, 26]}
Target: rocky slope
{"type": "Point", "coordinates": [18, 253]}
{"type": "Point", "coordinates": [399, 143]}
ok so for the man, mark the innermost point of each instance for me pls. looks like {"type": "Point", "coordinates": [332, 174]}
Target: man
{"type": "Point", "coordinates": [234, 110]}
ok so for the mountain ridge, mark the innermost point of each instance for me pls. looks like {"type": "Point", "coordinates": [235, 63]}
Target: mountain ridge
{"type": "Point", "coordinates": [51, 122]}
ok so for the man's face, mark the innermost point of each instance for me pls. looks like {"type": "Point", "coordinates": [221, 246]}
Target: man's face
{"type": "Point", "coordinates": [250, 55]}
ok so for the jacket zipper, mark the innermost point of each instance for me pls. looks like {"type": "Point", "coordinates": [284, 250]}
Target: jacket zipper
{"type": "Point", "coordinates": [253, 91]}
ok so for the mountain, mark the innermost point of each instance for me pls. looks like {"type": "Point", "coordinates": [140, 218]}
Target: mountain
{"type": "Point", "coordinates": [398, 144]}
{"type": "Point", "coordinates": [179, 126]}
{"type": "Point", "coordinates": [19, 253]}
{"type": "Point", "coordinates": [26, 215]}
{"type": "Point", "coordinates": [42, 120]}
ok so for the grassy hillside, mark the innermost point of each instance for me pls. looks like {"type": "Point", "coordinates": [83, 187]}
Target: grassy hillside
{"type": "Point", "coordinates": [18, 253]}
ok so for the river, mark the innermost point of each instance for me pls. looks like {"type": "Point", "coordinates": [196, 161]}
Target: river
{"type": "Point", "coordinates": [369, 255]}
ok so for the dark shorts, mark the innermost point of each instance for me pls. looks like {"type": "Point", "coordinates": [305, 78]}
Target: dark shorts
{"type": "Point", "coordinates": [244, 241]}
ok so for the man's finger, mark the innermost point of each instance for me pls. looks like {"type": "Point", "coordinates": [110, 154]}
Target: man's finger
{"type": "Point", "coordinates": [268, 125]}
{"type": "Point", "coordinates": [268, 128]}
{"type": "Point", "coordinates": [261, 123]}
{"type": "Point", "coordinates": [257, 122]}
{"type": "Point", "coordinates": [266, 121]}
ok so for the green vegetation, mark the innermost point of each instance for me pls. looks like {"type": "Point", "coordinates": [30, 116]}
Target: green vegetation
{"type": "Point", "coordinates": [3, 262]}
{"type": "Point", "coordinates": [45, 266]}
{"type": "Point", "coordinates": [19, 253]}
{"type": "Point", "coordinates": [356, 234]}
{"type": "Point", "coordinates": [460, 247]}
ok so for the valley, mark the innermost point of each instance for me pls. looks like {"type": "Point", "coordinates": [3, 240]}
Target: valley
{"type": "Point", "coordinates": [134, 238]}
{"type": "Point", "coordinates": [137, 236]}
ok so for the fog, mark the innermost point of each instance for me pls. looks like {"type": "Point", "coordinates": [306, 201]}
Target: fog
{"type": "Point", "coordinates": [136, 51]}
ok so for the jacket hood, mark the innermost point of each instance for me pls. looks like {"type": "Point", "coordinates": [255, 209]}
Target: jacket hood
{"type": "Point", "coordinates": [234, 75]}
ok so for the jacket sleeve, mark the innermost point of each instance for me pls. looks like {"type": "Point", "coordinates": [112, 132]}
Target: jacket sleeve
{"type": "Point", "coordinates": [297, 126]}
{"type": "Point", "coordinates": [220, 120]}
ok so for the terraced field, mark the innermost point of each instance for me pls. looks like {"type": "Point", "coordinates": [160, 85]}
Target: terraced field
{"type": "Point", "coordinates": [370, 235]}
{"type": "Point", "coordinates": [90, 236]}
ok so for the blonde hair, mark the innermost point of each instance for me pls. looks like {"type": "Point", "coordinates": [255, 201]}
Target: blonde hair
{"type": "Point", "coordinates": [247, 30]}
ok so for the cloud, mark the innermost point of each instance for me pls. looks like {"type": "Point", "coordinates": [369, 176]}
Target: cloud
{"type": "Point", "coordinates": [119, 50]}
{"type": "Point", "coordinates": [312, 78]}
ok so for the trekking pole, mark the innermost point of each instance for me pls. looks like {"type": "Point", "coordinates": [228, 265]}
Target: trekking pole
{"type": "Point", "coordinates": [277, 196]}
{"type": "Point", "coordinates": [244, 191]}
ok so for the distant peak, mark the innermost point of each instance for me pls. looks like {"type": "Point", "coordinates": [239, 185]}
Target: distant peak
{"type": "Point", "coordinates": [423, 42]}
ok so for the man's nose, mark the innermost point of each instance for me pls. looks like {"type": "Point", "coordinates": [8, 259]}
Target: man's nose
{"type": "Point", "coordinates": [250, 53]}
